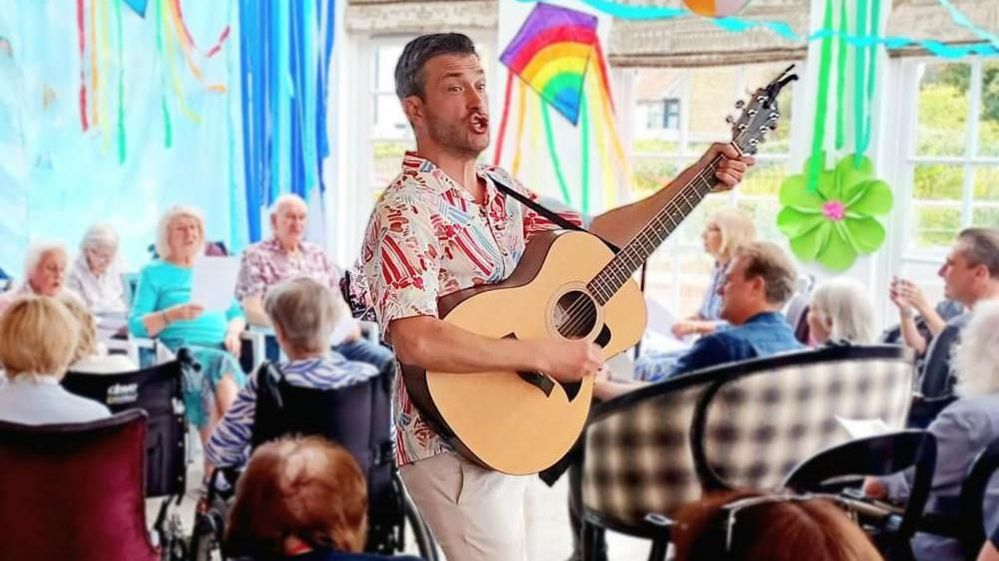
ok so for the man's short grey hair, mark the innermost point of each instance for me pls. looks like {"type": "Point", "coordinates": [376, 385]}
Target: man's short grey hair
{"type": "Point", "coordinates": [37, 253]}
{"type": "Point", "coordinates": [845, 306]}
{"type": "Point", "coordinates": [287, 199]}
{"type": "Point", "coordinates": [99, 236]}
{"type": "Point", "coordinates": [409, 78]}
{"type": "Point", "coordinates": [981, 247]}
{"type": "Point", "coordinates": [305, 311]}
{"type": "Point", "coordinates": [163, 228]}
{"type": "Point", "coordinates": [976, 357]}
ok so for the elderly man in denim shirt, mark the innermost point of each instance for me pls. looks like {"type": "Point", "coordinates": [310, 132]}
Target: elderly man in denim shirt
{"type": "Point", "coordinates": [759, 281]}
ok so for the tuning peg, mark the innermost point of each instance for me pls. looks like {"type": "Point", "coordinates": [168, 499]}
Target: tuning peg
{"type": "Point", "coordinates": [743, 127]}
{"type": "Point", "coordinates": [740, 104]}
{"type": "Point", "coordinates": [765, 130]}
{"type": "Point", "coordinates": [730, 119]}
{"type": "Point", "coordinates": [773, 116]}
{"type": "Point", "coordinates": [762, 99]}
{"type": "Point", "coordinates": [752, 112]}
{"type": "Point", "coordinates": [753, 142]}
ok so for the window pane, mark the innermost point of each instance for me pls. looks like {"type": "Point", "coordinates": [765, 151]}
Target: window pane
{"type": "Point", "coordinates": [943, 109]}
{"type": "Point", "coordinates": [988, 132]}
{"type": "Point", "coordinates": [711, 95]}
{"type": "Point", "coordinates": [385, 59]}
{"type": "Point", "coordinates": [986, 197]}
{"type": "Point", "coordinates": [936, 225]}
{"type": "Point", "coordinates": [764, 213]}
{"type": "Point", "coordinates": [925, 275]}
{"type": "Point", "coordinates": [388, 161]}
{"type": "Point", "coordinates": [651, 174]}
{"type": "Point", "coordinates": [390, 121]}
{"type": "Point", "coordinates": [763, 179]}
{"type": "Point", "coordinates": [937, 182]}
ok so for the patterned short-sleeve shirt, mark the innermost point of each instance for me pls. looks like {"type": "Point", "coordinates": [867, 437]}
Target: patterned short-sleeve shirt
{"type": "Point", "coordinates": [428, 238]}
{"type": "Point", "coordinates": [267, 263]}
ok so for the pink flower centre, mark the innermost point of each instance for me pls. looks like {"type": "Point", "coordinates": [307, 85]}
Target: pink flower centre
{"type": "Point", "coordinates": [834, 210]}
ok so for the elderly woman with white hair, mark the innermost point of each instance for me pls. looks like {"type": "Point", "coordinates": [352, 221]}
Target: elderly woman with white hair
{"type": "Point", "coordinates": [841, 311]}
{"type": "Point", "coordinates": [44, 273]}
{"type": "Point", "coordinates": [95, 275]}
{"type": "Point", "coordinates": [963, 430]}
{"type": "Point", "coordinates": [162, 308]}
{"type": "Point", "coordinates": [303, 313]}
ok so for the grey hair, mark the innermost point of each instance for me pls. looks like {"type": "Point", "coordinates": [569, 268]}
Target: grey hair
{"type": "Point", "coordinates": [845, 306]}
{"type": "Point", "coordinates": [981, 247]}
{"type": "Point", "coordinates": [305, 311]}
{"type": "Point", "coordinates": [99, 236]}
{"type": "Point", "coordinates": [37, 252]}
{"type": "Point", "coordinates": [409, 78]}
{"type": "Point", "coordinates": [163, 228]}
{"type": "Point", "coordinates": [976, 357]}
{"type": "Point", "coordinates": [287, 198]}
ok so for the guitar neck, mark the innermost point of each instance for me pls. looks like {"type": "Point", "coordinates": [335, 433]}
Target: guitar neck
{"type": "Point", "coordinates": [626, 262]}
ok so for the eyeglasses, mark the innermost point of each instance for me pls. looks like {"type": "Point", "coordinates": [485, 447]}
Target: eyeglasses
{"type": "Point", "coordinates": [734, 508]}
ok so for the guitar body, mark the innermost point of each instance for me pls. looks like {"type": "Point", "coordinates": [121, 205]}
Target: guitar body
{"type": "Point", "coordinates": [521, 423]}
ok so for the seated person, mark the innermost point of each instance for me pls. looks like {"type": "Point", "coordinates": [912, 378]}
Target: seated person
{"type": "Point", "coordinates": [92, 357]}
{"type": "Point", "coordinates": [726, 230]}
{"type": "Point", "coordinates": [303, 313]}
{"type": "Point", "coordinates": [990, 551]}
{"type": "Point", "coordinates": [962, 430]}
{"type": "Point", "coordinates": [38, 338]}
{"type": "Point", "coordinates": [841, 311]}
{"type": "Point", "coordinates": [287, 255]}
{"type": "Point", "coordinates": [758, 282]}
{"type": "Point", "coordinates": [300, 499]}
{"type": "Point", "coordinates": [162, 308]}
{"type": "Point", "coordinates": [44, 274]}
{"type": "Point", "coordinates": [745, 526]}
{"type": "Point", "coordinates": [95, 276]}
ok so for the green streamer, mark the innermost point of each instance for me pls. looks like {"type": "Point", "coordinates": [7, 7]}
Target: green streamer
{"type": "Point", "coordinates": [584, 153]}
{"type": "Point", "coordinates": [872, 50]}
{"type": "Point", "coordinates": [841, 79]}
{"type": "Point", "coordinates": [859, 75]}
{"type": "Point", "coordinates": [165, 109]}
{"type": "Point", "coordinates": [818, 136]}
{"type": "Point", "coordinates": [121, 81]}
{"type": "Point", "coordinates": [551, 152]}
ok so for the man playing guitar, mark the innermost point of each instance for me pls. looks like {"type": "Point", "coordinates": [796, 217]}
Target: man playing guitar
{"type": "Point", "coordinates": [442, 226]}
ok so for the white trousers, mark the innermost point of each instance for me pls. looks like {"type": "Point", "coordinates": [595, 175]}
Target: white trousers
{"type": "Point", "coordinates": [475, 514]}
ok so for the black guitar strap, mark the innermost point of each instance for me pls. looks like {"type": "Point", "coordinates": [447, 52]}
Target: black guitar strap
{"type": "Point", "coordinates": [547, 212]}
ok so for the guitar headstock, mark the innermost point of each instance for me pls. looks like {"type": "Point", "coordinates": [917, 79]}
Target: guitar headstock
{"type": "Point", "coordinates": [759, 114]}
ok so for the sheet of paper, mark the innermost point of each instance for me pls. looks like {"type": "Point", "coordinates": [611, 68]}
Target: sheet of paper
{"type": "Point", "coordinates": [863, 428]}
{"type": "Point", "coordinates": [213, 282]}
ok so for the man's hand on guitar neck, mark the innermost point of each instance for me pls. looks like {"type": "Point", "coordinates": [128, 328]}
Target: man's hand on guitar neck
{"type": "Point", "coordinates": [730, 171]}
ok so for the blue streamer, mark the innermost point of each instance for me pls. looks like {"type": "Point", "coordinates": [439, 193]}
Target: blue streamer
{"type": "Point", "coordinates": [738, 25]}
{"type": "Point", "coordinates": [327, 20]}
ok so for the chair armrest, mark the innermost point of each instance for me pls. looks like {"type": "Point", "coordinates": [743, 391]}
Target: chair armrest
{"type": "Point", "coordinates": [257, 341]}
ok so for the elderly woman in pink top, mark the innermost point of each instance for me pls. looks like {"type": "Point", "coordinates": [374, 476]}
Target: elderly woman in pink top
{"type": "Point", "coordinates": [44, 274]}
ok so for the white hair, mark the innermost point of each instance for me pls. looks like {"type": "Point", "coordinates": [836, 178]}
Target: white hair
{"type": "Point", "coordinates": [99, 236]}
{"type": "Point", "coordinates": [306, 312]}
{"type": "Point", "coordinates": [975, 358]}
{"type": "Point", "coordinates": [37, 252]}
{"type": "Point", "coordinates": [844, 305]}
{"type": "Point", "coordinates": [163, 228]}
{"type": "Point", "coordinates": [287, 199]}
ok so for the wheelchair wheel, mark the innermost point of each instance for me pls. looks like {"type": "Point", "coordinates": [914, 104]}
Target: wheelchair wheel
{"type": "Point", "coordinates": [424, 540]}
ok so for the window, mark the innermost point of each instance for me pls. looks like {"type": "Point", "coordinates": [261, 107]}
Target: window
{"type": "Point", "coordinates": [678, 272]}
{"type": "Point", "coordinates": [951, 160]}
{"type": "Point", "coordinates": [661, 115]}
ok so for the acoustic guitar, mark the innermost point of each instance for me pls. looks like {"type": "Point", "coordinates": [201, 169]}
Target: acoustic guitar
{"type": "Point", "coordinates": [568, 285]}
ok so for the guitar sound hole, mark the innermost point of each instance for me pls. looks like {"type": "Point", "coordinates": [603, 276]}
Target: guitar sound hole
{"type": "Point", "coordinates": [575, 315]}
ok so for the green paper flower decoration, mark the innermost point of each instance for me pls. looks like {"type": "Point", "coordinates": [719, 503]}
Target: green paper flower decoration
{"type": "Point", "coordinates": [835, 222]}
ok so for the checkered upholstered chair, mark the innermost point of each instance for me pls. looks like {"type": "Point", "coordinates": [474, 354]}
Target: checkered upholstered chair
{"type": "Point", "coordinates": [765, 416]}
{"type": "Point", "coordinates": [637, 462]}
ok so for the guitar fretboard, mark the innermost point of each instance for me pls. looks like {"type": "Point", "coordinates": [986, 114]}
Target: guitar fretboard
{"type": "Point", "coordinates": [613, 276]}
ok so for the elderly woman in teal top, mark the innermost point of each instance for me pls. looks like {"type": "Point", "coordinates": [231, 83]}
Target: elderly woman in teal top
{"type": "Point", "coordinates": [162, 308]}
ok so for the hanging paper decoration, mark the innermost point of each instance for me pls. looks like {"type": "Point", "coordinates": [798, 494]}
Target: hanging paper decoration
{"type": "Point", "coordinates": [989, 47]}
{"type": "Point", "coordinates": [716, 8]}
{"type": "Point", "coordinates": [557, 62]}
{"type": "Point", "coordinates": [837, 222]}
{"type": "Point", "coordinates": [138, 6]}
{"type": "Point", "coordinates": [551, 53]}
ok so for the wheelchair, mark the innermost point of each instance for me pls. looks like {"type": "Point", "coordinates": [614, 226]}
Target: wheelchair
{"type": "Point", "coordinates": [358, 418]}
{"type": "Point", "coordinates": [158, 391]}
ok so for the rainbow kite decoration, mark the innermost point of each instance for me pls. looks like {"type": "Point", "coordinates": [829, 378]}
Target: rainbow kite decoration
{"type": "Point", "coordinates": [556, 53]}
{"type": "Point", "coordinates": [551, 53]}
